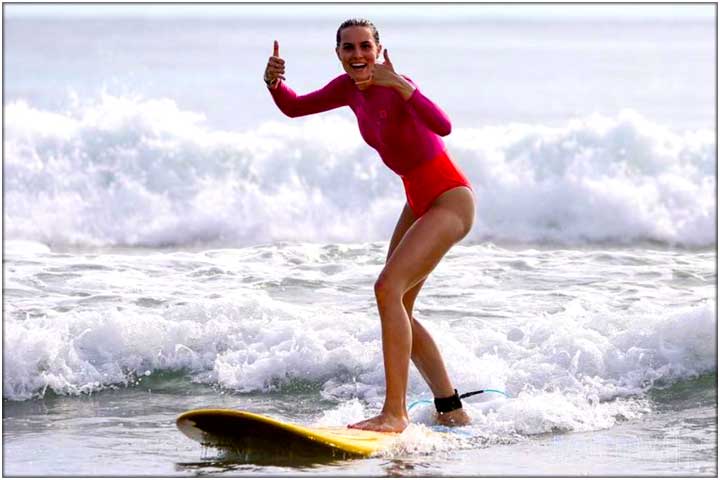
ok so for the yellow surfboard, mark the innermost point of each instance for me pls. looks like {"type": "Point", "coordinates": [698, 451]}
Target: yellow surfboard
{"type": "Point", "coordinates": [254, 434]}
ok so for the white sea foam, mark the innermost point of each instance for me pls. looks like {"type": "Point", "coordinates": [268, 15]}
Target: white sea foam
{"type": "Point", "coordinates": [144, 172]}
{"type": "Point", "coordinates": [575, 351]}
{"type": "Point", "coordinates": [562, 383]}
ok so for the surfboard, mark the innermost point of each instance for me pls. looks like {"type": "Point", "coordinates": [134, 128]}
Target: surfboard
{"type": "Point", "coordinates": [254, 434]}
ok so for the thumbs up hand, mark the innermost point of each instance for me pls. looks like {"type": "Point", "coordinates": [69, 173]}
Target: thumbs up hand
{"type": "Point", "coordinates": [275, 69]}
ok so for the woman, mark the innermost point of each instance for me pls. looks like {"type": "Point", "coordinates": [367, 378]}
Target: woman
{"type": "Point", "coordinates": [405, 128]}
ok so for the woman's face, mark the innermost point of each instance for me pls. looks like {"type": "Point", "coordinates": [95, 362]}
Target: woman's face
{"type": "Point", "coordinates": [357, 52]}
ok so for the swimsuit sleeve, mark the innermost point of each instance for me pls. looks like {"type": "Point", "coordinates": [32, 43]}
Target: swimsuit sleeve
{"type": "Point", "coordinates": [432, 115]}
{"type": "Point", "coordinates": [328, 97]}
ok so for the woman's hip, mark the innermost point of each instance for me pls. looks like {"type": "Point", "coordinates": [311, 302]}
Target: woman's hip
{"type": "Point", "coordinates": [431, 179]}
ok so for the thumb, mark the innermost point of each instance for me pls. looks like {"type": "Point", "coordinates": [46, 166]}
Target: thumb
{"type": "Point", "coordinates": [276, 49]}
{"type": "Point", "coordinates": [387, 58]}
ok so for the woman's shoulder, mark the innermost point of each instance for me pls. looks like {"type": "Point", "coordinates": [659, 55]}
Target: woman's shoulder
{"type": "Point", "coordinates": [339, 87]}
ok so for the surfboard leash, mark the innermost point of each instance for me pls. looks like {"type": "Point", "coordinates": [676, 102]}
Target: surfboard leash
{"type": "Point", "coordinates": [464, 395]}
{"type": "Point", "coordinates": [477, 392]}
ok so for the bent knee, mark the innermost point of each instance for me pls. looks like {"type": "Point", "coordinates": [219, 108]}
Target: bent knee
{"type": "Point", "coordinates": [386, 289]}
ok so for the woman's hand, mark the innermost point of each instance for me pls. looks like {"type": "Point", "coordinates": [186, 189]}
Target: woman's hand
{"type": "Point", "coordinates": [275, 70]}
{"type": "Point", "coordinates": [384, 75]}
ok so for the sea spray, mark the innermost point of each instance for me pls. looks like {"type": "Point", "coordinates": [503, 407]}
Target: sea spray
{"type": "Point", "coordinates": [126, 171]}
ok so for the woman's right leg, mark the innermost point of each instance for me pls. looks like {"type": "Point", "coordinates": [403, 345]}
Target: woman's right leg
{"type": "Point", "coordinates": [425, 354]}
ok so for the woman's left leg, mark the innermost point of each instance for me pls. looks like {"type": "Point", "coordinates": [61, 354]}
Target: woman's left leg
{"type": "Point", "coordinates": [422, 247]}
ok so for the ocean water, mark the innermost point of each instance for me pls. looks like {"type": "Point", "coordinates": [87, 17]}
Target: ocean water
{"type": "Point", "coordinates": [173, 242]}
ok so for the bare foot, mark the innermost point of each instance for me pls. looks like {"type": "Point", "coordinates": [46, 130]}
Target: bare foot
{"type": "Point", "coordinates": [456, 418]}
{"type": "Point", "coordinates": [383, 423]}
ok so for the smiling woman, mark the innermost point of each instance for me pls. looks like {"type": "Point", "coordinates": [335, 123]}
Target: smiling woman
{"type": "Point", "coordinates": [404, 127]}
{"type": "Point", "coordinates": [173, 241]}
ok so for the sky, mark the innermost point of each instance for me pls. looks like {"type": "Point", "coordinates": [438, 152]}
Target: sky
{"type": "Point", "coordinates": [316, 10]}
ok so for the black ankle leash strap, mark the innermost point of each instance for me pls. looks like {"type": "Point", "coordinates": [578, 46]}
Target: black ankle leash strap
{"type": "Point", "coordinates": [470, 394]}
{"type": "Point", "coordinates": [448, 404]}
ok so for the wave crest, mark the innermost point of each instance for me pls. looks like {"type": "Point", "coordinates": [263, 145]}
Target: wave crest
{"type": "Point", "coordinates": [136, 172]}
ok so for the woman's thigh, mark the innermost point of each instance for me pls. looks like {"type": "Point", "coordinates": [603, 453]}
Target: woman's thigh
{"type": "Point", "coordinates": [427, 240]}
{"type": "Point", "coordinates": [407, 218]}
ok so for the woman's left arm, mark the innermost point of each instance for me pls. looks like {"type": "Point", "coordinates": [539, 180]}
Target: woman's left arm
{"type": "Point", "coordinates": [429, 113]}
{"type": "Point", "coordinates": [432, 115]}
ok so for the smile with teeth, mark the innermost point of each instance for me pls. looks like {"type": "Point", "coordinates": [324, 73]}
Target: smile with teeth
{"type": "Point", "coordinates": [358, 66]}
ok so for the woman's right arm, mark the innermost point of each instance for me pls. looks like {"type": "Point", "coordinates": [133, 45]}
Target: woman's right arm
{"type": "Point", "coordinates": [294, 105]}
